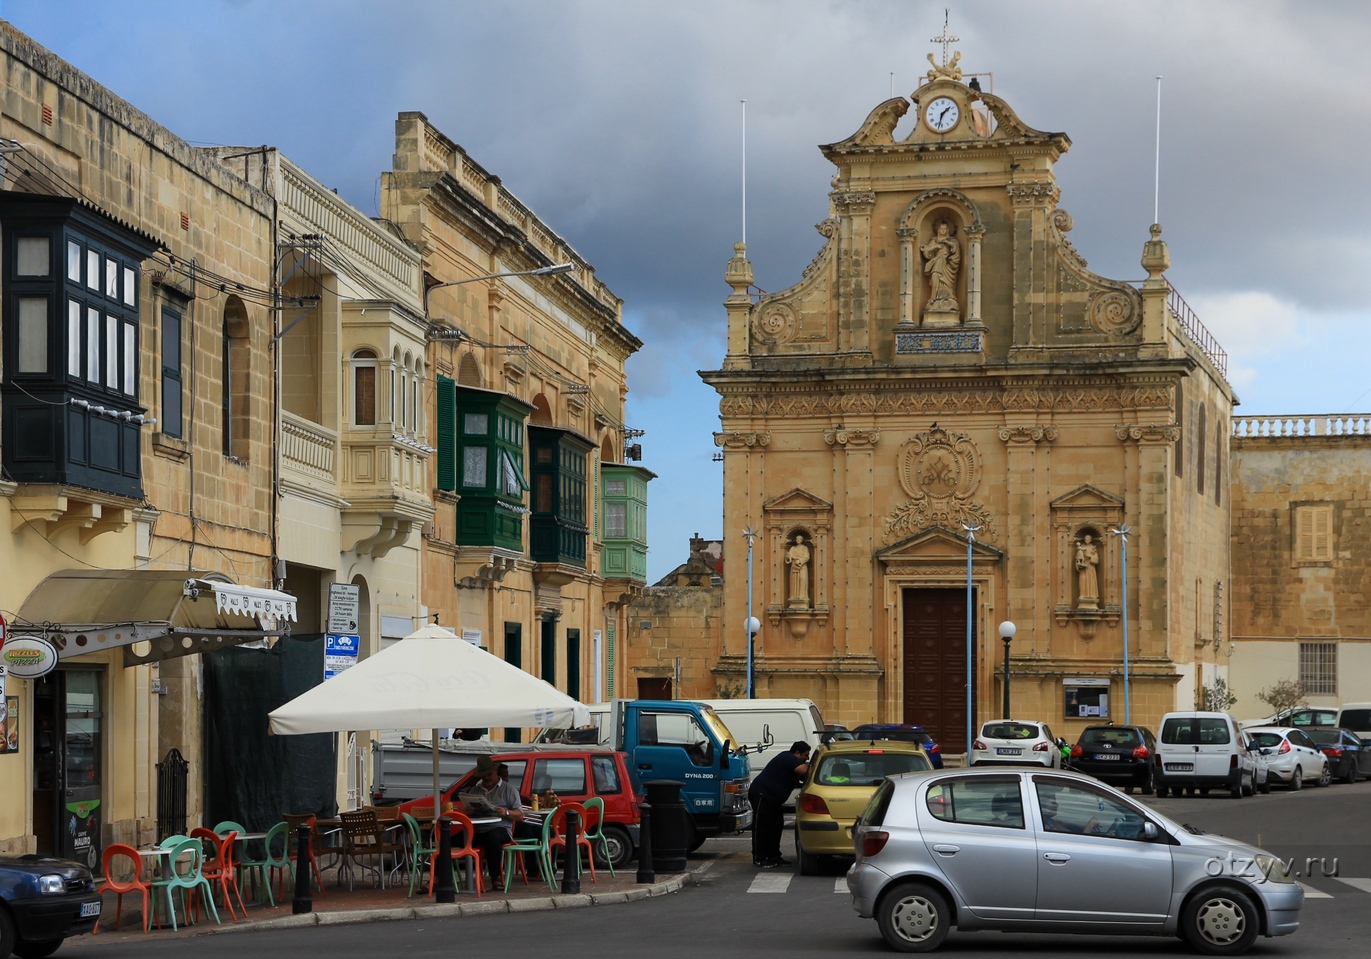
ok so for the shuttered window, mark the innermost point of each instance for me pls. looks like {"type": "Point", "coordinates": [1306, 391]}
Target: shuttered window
{"type": "Point", "coordinates": [447, 440]}
{"type": "Point", "coordinates": [1314, 534]}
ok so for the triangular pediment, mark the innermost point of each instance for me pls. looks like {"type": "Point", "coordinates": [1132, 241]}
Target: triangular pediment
{"type": "Point", "coordinates": [1088, 496]}
{"type": "Point", "coordinates": [936, 544]}
{"type": "Point", "coordinates": [796, 499]}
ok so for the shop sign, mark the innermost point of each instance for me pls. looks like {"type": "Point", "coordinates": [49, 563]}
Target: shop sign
{"type": "Point", "coordinates": [28, 657]}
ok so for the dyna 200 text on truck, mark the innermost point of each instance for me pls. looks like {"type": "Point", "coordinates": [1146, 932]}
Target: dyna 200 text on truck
{"type": "Point", "coordinates": [688, 743]}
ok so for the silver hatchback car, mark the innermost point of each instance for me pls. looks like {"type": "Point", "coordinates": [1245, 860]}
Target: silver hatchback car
{"type": "Point", "coordinates": [1024, 851]}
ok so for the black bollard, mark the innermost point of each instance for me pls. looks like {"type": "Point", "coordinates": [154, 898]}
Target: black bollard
{"type": "Point", "coordinates": [645, 873]}
{"type": "Point", "coordinates": [571, 865]}
{"type": "Point", "coordinates": [443, 888]}
{"type": "Point", "coordinates": [302, 902]}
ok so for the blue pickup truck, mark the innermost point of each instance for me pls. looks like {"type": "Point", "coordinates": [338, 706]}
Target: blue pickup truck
{"type": "Point", "coordinates": [42, 902]}
{"type": "Point", "coordinates": [686, 742]}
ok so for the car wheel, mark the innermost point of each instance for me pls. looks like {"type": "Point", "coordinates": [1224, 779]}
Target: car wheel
{"type": "Point", "coordinates": [1204, 791]}
{"type": "Point", "coordinates": [37, 950]}
{"type": "Point", "coordinates": [694, 839]}
{"type": "Point", "coordinates": [1296, 780]}
{"type": "Point", "coordinates": [1220, 922]}
{"type": "Point", "coordinates": [1250, 789]}
{"type": "Point", "coordinates": [620, 848]}
{"type": "Point", "coordinates": [1351, 777]}
{"type": "Point", "coordinates": [1266, 785]}
{"type": "Point", "coordinates": [1146, 787]}
{"type": "Point", "coordinates": [807, 864]}
{"type": "Point", "coordinates": [1325, 775]}
{"type": "Point", "coordinates": [914, 917]}
{"type": "Point", "coordinates": [1161, 792]}
{"type": "Point", "coordinates": [7, 934]}
{"type": "Point", "coordinates": [1238, 791]}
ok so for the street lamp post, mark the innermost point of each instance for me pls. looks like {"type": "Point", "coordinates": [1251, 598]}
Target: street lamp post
{"type": "Point", "coordinates": [1007, 631]}
{"type": "Point", "coordinates": [1123, 532]}
{"type": "Point", "coordinates": [754, 626]}
{"type": "Point", "coordinates": [970, 540]}
{"type": "Point", "coordinates": [540, 271]}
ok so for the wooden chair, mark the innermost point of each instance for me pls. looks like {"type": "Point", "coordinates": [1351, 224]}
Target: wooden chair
{"type": "Point", "coordinates": [293, 824]}
{"type": "Point", "coordinates": [121, 886]}
{"type": "Point", "coordinates": [363, 835]}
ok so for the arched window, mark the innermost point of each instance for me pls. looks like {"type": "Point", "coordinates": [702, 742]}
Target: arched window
{"type": "Point", "coordinates": [235, 383]}
{"type": "Point", "coordinates": [542, 411]}
{"type": "Point", "coordinates": [364, 388]}
{"type": "Point", "coordinates": [417, 397]}
{"type": "Point", "coordinates": [1199, 451]}
{"type": "Point", "coordinates": [607, 449]}
{"type": "Point", "coordinates": [407, 400]}
{"type": "Point", "coordinates": [469, 371]}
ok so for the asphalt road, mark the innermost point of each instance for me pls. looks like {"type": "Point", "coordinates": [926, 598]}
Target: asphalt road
{"type": "Point", "coordinates": [728, 914]}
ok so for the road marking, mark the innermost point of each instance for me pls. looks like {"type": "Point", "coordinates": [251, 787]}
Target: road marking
{"type": "Point", "coordinates": [771, 883]}
{"type": "Point", "coordinates": [840, 885]}
{"type": "Point", "coordinates": [1311, 893]}
{"type": "Point", "coordinates": [703, 867]}
{"type": "Point", "coordinates": [1363, 884]}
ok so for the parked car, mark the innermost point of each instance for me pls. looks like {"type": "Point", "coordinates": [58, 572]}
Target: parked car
{"type": "Point", "coordinates": [1038, 851]}
{"type": "Point", "coordinates": [1300, 717]}
{"type": "Point", "coordinates": [842, 776]}
{"type": "Point", "coordinates": [1291, 756]}
{"type": "Point", "coordinates": [835, 732]}
{"type": "Point", "coordinates": [44, 901]}
{"type": "Point", "coordinates": [905, 733]}
{"type": "Point", "coordinates": [575, 775]}
{"type": "Point", "coordinates": [1015, 742]}
{"type": "Point", "coordinates": [1118, 755]}
{"type": "Point", "coordinates": [1348, 754]}
{"type": "Point", "coordinates": [1261, 772]}
{"type": "Point", "coordinates": [1356, 717]}
{"type": "Point", "coordinates": [1199, 751]}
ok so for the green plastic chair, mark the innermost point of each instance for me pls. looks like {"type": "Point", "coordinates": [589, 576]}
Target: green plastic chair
{"type": "Point", "coordinates": [539, 846]}
{"type": "Point", "coordinates": [419, 853]}
{"type": "Point", "coordinates": [190, 853]}
{"type": "Point", "coordinates": [228, 826]}
{"type": "Point", "coordinates": [596, 805]}
{"type": "Point", "coordinates": [261, 868]}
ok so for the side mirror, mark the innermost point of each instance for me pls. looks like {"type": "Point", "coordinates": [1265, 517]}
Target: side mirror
{"type": "Point", "coordinates": [1150, 831]}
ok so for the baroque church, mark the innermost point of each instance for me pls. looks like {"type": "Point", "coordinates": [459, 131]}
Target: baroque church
{"type": "Point", "coordinates": [949, 401]}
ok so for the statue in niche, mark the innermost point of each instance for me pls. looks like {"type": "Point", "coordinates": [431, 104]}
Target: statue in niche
{"type": "Point", "coordinates": [942, 260]}
{"type": "Point", "coordinates": [797, 558]}
{"type": "Point", "coordinates": [1087, 576]}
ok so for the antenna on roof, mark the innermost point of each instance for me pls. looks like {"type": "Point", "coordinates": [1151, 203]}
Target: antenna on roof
{"type": "Point", "coordinates": [1157, 166]}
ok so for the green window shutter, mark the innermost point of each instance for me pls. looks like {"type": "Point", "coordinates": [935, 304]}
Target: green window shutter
{"type": "Point", "coordinates": [447, 433]}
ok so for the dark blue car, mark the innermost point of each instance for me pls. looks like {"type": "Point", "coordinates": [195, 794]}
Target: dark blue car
{"type": "Point", "coordinates": [42, 902]}
{"type": "Point", "coordinates": [904, 733]}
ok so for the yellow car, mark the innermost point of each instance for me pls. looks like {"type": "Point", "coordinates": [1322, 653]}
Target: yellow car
{"type": "Point", "coordinates": [842, 777]}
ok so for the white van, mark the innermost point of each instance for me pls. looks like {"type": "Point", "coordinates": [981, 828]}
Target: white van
{"type": "Point", "coordinates": [1198, 751]}
{"type": "Point", "coordinates": [1356, 717]}
{"type": "Point", "coordinates": [751, 721]}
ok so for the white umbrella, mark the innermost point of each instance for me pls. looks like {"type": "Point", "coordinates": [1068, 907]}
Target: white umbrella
{"type": "Point", "coordinates": [431, 679]}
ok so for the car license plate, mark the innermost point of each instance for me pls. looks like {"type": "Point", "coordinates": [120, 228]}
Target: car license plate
{"type": "Point", "coordinates": [1106, 755]}
{"type": "Point", "coordinates": [1008, 751]}
{"type": "Point", "coordinates": [89, 909]}
{"type": "Point", "coordinates": [1180, 767]}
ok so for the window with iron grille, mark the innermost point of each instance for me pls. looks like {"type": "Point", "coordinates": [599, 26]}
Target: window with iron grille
{"type": "Point", "coordinates": [1319, 668]}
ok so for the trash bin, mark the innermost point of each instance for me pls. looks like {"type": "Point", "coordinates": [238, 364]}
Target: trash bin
{"type": "Point", "coordinates": [670, 827]}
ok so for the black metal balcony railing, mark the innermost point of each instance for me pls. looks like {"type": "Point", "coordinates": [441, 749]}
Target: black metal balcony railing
{"type": "Point", "coordinates": [1196, 331]}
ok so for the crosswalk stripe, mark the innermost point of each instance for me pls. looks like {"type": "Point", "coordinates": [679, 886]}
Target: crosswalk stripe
{"type": "Point", "coordinates": [771, 883]}
{"type": "Point", "coordinates": [1311, 893]}
{"type": "Point", "coordinates": [840, 885]}
{"type": "Point", "coordinates": [1363, 884]}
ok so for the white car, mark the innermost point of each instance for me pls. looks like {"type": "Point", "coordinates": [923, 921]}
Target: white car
{"type": "Point", "coordinates": [1291, 756]}
{"type": "Point", "coordinates": [1300, 717]}
{"type": "Point", "coordinates": [1016, 742]}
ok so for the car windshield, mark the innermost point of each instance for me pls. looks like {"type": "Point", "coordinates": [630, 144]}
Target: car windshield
{"type": "Point", "coordinates": [1111, 737]}
{"type": "Point", "coordinates": [1193, 730]}
{"type": "Point", "coordinates": [866, 769]}
{"type": "Point", "coordinates": [1009, 731]}
{"type": "Point", "coordinates": [1267, 740]}
{"type": "Point", "coordinates": [1325, 736]}
{"type": "Point", "coordinates": [717, 727]}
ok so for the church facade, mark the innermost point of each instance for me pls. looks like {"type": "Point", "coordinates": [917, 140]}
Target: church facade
{"type": "Point", "coordinates": [950, 414]}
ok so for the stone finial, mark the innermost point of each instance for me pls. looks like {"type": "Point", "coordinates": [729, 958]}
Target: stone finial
{"type": "Point", "coordinates": [1155, 259]}
{"type": "Point", "coordinates": [739, 272]}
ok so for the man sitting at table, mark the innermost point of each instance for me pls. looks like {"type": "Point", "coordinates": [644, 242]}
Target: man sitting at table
{"type": "Point", "coordinates": [493, 836]}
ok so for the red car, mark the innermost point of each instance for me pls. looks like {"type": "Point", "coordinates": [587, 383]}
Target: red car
{"type": "Point", "coordinates": [574, 775]}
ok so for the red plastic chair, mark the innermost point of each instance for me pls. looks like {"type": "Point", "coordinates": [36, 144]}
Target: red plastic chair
{"type": "Point", "coordinates": [220, 869]}
{"type": "Point", "coordinates": [120, 888]}
{"type": "Point", "coordinates": [468, 850]}
{"type": "Point", "coordinates": [558, 837]}
{"type": "Point", "coordinates": [293, 824]}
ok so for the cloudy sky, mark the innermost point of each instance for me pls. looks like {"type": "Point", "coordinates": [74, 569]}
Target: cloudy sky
{"type": "Point", "coordinates": [619, 123]}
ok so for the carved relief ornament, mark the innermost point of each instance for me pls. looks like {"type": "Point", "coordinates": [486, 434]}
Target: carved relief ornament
{"type": "Point", "coordinates": [1028, 434]}
{"type": "Point", "coordinates": [854, 202]}
{"type": "Point", "coordinates": [1027, 194]}
{"type": "Point", "coordinates": [852, 438]}
{"type": "Point", "coordinates": [775, 324]}
{"type": "Point", "coordinates": [739, 441]}
{"type": "Point", "coordinates": [1148, 433]}
{"type": "Point", "coordinates": [1115, 311]}
{"type": "Point", "coordinates": [939, 470]}
{"type": "Point", "coordinates": [939, 402]}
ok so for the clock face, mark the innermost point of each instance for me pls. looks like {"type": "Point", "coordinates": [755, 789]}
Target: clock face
{"type": "Point", "coordinates": [942, 114]}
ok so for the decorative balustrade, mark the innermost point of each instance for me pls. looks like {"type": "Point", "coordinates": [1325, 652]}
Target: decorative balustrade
{"type": "Point", "coordinates": [1196, 331]}
{"type": "Point", "coordinates": [308, 447]}
{"type": "Point", "coordinates": [1314, 424]}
